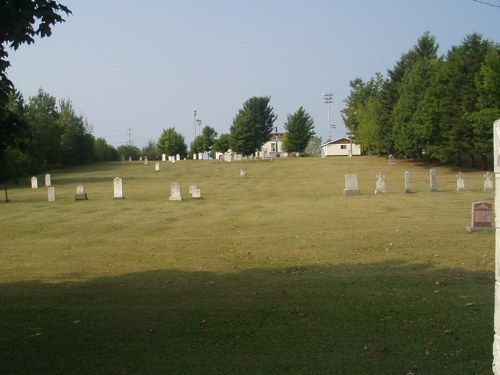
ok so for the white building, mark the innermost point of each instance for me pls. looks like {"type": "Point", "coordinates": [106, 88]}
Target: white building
{"type": "Point", "coordinates": [340, 147]}
{"type": "Point", "coordinates": [274, 146]}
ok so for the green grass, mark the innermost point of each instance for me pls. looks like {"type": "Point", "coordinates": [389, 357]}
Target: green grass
{"type": "Point", "coordinates": [276, 273]}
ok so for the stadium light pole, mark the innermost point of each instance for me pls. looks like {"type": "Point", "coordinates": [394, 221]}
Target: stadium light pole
{"type": "Point", "coordinates": [328, 99]}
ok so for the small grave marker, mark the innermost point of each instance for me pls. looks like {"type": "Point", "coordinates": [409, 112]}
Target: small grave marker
{"type": "Point", "coordinates": [460, 182]}
{"type": "Point", "coordinates": [243, 173]}
{"type": "Point", "coordinates": [433, 180]}
{"type": "Point", "coordinates": [351, 184]}
{"type": "Point", "coordinates": [34, 182]}
{"type": "Point", "coordinates": [118, 188]}
{"type": "Point", "coordinates": [489, 184]}
{"type": "Point", "coordinates": [80, 195]}
{"type": "Point", "coordinates": [51, 194]}
{"type": "Point", "coordinates": [482, 217]}
{"type": "Point", "coordinates": [380, 186]}
{"type": "Point", "coordinates": [157, 166]}
{"type": "Point", "coordinates": [48, 180]}
{"type": "Point", "coordinates": [175, 192]}
{"type": "Point", "coordinates": [407, 182]}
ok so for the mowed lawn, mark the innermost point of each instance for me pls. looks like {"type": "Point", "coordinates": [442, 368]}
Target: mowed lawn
{"type": "Point", "coordinates": [276, 273]}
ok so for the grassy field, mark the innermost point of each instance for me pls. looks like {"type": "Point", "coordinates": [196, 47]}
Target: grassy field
{"type": "Point", "coordinates": [277, 273]}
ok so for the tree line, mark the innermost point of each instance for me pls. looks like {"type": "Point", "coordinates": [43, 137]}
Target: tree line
{"type": "Point", "coordinates": [43, 133]}
{"type": "Point", "coordinates": [430, 107]}
{"type": "Point", "coordinates": [252, 127]}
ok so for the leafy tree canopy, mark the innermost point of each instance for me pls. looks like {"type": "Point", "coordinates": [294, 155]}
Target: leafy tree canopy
{"type": "Point", "coordinates": [252, 126]}
{"type": "Point", "coordinates": [172, 143]}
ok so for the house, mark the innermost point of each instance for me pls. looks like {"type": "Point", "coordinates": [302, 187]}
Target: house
{"type": "Point", "coordinates": [340, 147]}
{"type": "Point", "coordinates": [274, 146]}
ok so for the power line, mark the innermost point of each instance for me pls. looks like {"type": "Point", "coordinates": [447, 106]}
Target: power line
{"type": "Point", "coordinates": [485, 3]}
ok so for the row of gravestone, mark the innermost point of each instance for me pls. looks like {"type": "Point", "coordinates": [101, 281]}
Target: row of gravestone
{"type": "Point", "coordinates": [352, 185]}
{"type": "Point", "coordinates": [175, 191]}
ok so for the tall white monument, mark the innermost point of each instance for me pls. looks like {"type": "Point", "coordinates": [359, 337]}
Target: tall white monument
{"type": "Point", "coordinates": [496, 324]}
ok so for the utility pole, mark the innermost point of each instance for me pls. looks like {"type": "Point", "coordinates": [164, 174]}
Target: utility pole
{"type": "Point", "coordinates": [129, 137]}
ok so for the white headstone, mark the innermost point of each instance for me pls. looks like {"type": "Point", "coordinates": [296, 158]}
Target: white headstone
{"type": "Point", "coordinates": [47, 180]}
{"type": "Point", "coordinates": [146, 161]}
{"type": "Point", "coordinates": [243, 172]}
{"type": "Point", "coordinates": [489, 184]}
{"type": "Point", "coordinates": [51, 193]}
{"type": "Point", "coordinates": [380, 184]}
{"type": "Point", "coordinates": [163, 157]}
{"type": "Point", "coordinates": [192, 188]}
{"type": "Point", "coordinates": [34, 182]}
{"type": "Point", "coordinates": [173, 159]}
{"type": "Point", "coordinates": [200, 155]}
{"type": "Point", "coordinates": [140, 158]}
{"type": "Point", "coordinates": [80, 193]}
{"type": "Point", "coordinates": [460, 182]}
{"type": "Point", "coordinates": [175, 192]}
{"type": "Point", "coordinates": [195, 156]}
{"type": "Point", "coordinates": [130, 158]}
{"type": "Point", "coordinates": [157, 166]}
{"type": "Point", "coordinates": [407, 182]}
{"type": "Point", "coordinates": [433, 180]}
{"type": "Point", "coordinates": [177, 157]}
{"type": "Point", "coordinates": [351, 184]}
{"type": "Point", "coordinates": [196, 193]}
{"type": "Point", "coordinates": [118, 188]}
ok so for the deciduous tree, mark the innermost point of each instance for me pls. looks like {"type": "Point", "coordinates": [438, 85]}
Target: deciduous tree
{"type": "Point", "coordinates": [172, 143]}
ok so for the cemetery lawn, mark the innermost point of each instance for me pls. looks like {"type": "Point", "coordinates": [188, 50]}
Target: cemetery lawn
{"type": "Point", "coordinates": [276, 273]}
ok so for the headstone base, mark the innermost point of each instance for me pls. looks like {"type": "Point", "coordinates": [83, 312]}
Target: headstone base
{"type": "Point", "coordinates": [479, 229]}
{"type": "Point", "coordinates": [81, 197]}
{"type": "Point", "coordinates": [351, 192]}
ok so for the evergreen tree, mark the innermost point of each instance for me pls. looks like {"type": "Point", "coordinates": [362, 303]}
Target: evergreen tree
{"type": "Point", "coordinates": [300, 129]}
{"type": "Point", "coordinates": [252, 126]}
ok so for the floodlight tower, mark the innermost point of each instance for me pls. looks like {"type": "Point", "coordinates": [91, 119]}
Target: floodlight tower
{"type": "Point", "coordinates": [198, 123]}
{"type": "Point", "coordinates": [328, 99]}
{"type": "Point", "coordinates": [195, 123]}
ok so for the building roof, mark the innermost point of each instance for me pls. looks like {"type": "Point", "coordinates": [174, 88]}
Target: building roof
{"type": "Point", "coordinates": [339, 141]}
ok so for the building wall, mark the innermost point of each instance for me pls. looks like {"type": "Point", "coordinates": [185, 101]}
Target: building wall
{"type": "Point", "coordinates": [340, 149]}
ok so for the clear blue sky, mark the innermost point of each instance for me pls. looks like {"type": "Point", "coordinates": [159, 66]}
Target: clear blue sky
{"type": "Point", "coordinates": [147, 65]}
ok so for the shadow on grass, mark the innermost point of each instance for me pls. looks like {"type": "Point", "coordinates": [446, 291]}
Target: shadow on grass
{"type": "Point", "coordinates": [382, 318]}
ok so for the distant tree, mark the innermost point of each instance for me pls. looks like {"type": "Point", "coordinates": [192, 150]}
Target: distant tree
{"type": "Point", "coordinates": [151, 150]}
{"type": "Point", "coordinates": [104, 152]}
{"type": "Point", "coordinates": [172, 143]}
{"type": "Point", "coordinates": [360, 93]}
{"type": "Point", "coordinates": [453, 98]}
{"type": "Point", "coordinates": [300, 129]}
{"type": "Point", "coordinates": [252, 126]}
{"type": "Point", "coordinates": [314, 147]}
{"type": "Point", "coordinates": [15, 159]}
{"type": "Point", "coordinates": [223, 144]}
{"type": "Point", "coordinates": [45, 143]}
{"type": "Point", "coordinates": [488, 86]}
{"type": "Point", "coordinates": [205, 141]}
{"type": "Point", "coordinates": [126, 151]}
{"type": "Point", "coordinates": [21, 22]}
{"type": "Point", "coordinates": [77, 141]}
